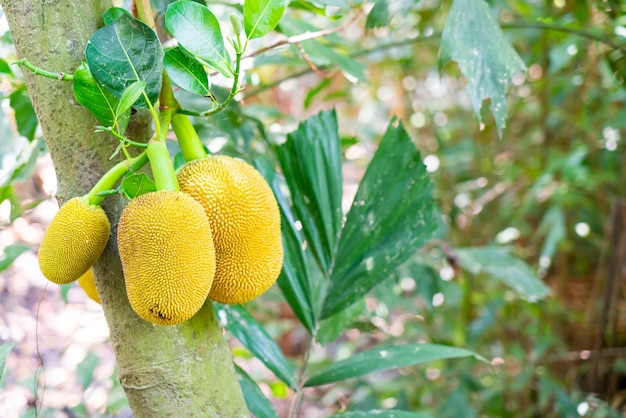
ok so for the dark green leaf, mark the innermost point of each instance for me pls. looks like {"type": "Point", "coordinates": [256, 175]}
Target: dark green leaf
{"type": "Point", "coordinates": [252, 335]}
{"type": "Point", "coordinates": [331, 328]}
{"type": "Point", "coordinates": [386, 358]}
{"type": "Point", "coordinates": [256, 402]}
{"type": "Point", "coordinates": [124, 52]}
{"type": "Point", "coordinates": [95, 98]}
{"type": "Point", "coordinates": [391, 217]}
{"type": "Point", "coordinates": [379, 16]}
{"type": "Point", "coordinates": [129, 97]}
{"type": "Point", "coordinates": [260, 17]}
{"type": "Point", "coordinates": [381, 413]}
{"type": "Point", "coordinates": [85, 369]}
{"type": "Point", "coordinates": [5, 349]}
{"type": "Point", "coordinates": [473, 39]}
{"type": "Point", "coordinates": [11, 252]}
{"type": "Point", "coordinates": [501, 265]}
{"type": "Point", "coordinates": [294, 279]}
{"type": "Point", "coordinates": [137, 184]}
{"type": "Point", "coordinates": [25, 116]}
{"type": "Point", "coordinates": [186, 72]}
{"type": "Point", "coordinates": [311, 162]}
{"type": "Point", "coordinates": [198, 31]}
{"type": "Point", "coordinates": [114, 13]}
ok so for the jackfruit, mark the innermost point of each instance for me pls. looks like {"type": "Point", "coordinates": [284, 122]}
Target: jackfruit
{"type": "Point", "coordinates": [167, 254]}
{"type": "Point", "coordinates": [245, 221]}
{"type": "Point", "coordinates": [73, 241]}
{"type": "Point", "coordinates": [88, 283]}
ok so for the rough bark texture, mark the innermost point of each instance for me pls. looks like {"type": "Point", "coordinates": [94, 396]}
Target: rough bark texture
{"type": "Point", "coordinates": [179, 371]}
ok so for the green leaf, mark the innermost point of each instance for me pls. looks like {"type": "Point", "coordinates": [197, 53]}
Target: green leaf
{"type": "Point", "coordinates": [5, 68]}
{"type": "Point", "coordinates": [331, 328]}
{"type": "Point", "coordinates": [137, 184]}
{"type": "Point", "coordinates": [553, 225]}
{"type": "Point", "coordinates": [391, 217]}
{"type": "Point", "coordinates": [252, 335]}
{"type": "Point", "coordinates": [85, 369]}
{"type": "Point", "coordinates": [11, 252]}
{"type": "Point", "coordinates": [386, 358]}
{"type": "Point", "coordinates": [294, 281]}
{"type": "Point", "coordinates": [186, 72]}
{"type": "Point", "coordinates": [379, 16]}
{"type": "Point", "coordinates": [501, 265]}
{"type": "Point", "coordinates": [129, 97]}
{"type": "Point", "coordinates": [100, 102]}
{"type": "Point", "coordinates": [256, 402]}
{"type": "Point", "coordinates": [123, 53]}
{"type": "Point", "coordinates": [198, 31]}
{"type": "Point", "coordinates": [311, 163]}
{"type": "Point", "coordinates": [476, 43]}
{"type": "Point", "coordinates": [114, 13]}
{"type": "Point", "coordinates": [260, 17]}
{"type": "Point", "coordinates": [5, 349]}
{"type": "Point", "coordinates": [381, 413]}
{"type": "Point", "coordinates": [25, 116]}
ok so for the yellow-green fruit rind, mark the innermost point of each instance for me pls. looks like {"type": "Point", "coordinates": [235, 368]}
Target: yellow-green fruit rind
{"type": "Point", "coordinates": [167, 254]}
{"type": "Point", "coordinates": [73, 241]}
{"type": "Point", "coordinates": [88, 283]}
{"type": "Point", "coordinates": [245, 221]}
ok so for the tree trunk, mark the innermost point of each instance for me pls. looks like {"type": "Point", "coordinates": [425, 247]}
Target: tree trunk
{"type": "Point", "coordinates": [175, 371]}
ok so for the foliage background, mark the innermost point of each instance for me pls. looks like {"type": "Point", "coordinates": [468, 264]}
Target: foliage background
{"type": "Point", "coordinates": [549, 191]}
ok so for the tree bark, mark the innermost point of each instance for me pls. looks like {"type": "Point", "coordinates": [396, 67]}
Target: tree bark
{"type": "Point", "coordinates": [175, 371]}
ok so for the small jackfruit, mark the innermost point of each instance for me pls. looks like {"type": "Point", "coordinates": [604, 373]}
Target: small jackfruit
{"type": "Point", "coordinates": [245, 221]}
{"type": "Point", "coordinates": [73, 241]}
{"type": "Point", "coordinates": [167, 254]}
{"type": "Point", "coordinates": [88, 283]}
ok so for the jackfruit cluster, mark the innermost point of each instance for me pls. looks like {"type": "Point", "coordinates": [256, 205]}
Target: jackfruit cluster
{"type": "Point", "coordinates": [245, 221]}
{"type": "Point", "coordinates": [167, 253]}
{"type": "Point", "coordinates": [74, 240]}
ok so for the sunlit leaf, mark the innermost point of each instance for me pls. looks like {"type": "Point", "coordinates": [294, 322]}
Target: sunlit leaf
{"type": "Point", "coordinates": [99, 101]}
{"type": "Point", "coordinates": [256, 402]}
{"type": "Point", "coordinates": [473, 39]}
{"type": "Point", "coordinates": [198, 31]}
{"type": "Point", "coordinates": [123, 53]}
{"type": "Point", "coordinates": [391, 217]}
{"type": "Point", "coordinates": [254, 337]}
{"type": "Point", "coordinates": [386, 358]}
{"type": "Point", "coordinates": [186, 72]}
{"type": "Point", "coordinates": [260, 17]}
{"type": "Point", "coordinates": [132, 93]}
{"type": "Point", "coordinates": [501, 265]}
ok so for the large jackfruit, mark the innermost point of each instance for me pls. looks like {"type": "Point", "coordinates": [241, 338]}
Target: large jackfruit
{"type": "Point", "coordinates": [167, 254]}
{"type": "Point", "coordinates": [245, 221]}
{"type": "Point", "coordinates": [73, 241]}
{"type": "Point", "coordinates": [88, 283]}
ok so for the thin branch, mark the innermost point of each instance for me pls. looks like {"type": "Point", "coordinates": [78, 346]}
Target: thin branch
{"type": "Point", "coordinates": [574, 31]}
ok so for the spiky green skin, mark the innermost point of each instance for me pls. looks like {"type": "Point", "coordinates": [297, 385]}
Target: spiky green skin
{"type": "Point", "coordinates": [73, 242]}
{"type": "Point", "coordinates": [245, 221]}
{"type": "Point", "coordinates": [168, 258]}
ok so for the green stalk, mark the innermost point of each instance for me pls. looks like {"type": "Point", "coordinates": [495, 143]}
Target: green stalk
{"type": "Point", "coordinates": [111, 177]}
{"type": "Point", "coordinates": [162, 168]}
{"type": "Point", "coordinates": [188, 138]}
{"type": "Point", "coordinates": [38, 71]}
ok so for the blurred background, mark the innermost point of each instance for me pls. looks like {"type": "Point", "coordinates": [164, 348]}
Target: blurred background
{"type": "Point", "coordinates": [549, 192]}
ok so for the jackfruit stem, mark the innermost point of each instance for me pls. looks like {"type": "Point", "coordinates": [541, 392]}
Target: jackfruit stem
{"type": "Point", "coordinates": [162, 167]}
{"type": "Point", "coordinates": [188, 138]}
{"type": "Point", "coordinates": [111, 177]}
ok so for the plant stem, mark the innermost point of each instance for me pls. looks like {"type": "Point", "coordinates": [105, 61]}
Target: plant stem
{"type": "Point", "coordinates": [188, 138]}
{"type": "Point", "coordinates": [294, 409]}
{"type": "Point", "coordinates": [144, 12]}
{"type": "Point", "coordinates": [111, 177]}
{"type": "Point", "coordinates": [38, 71]}
{"type": "Point", "coordinates": [162, 168]}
